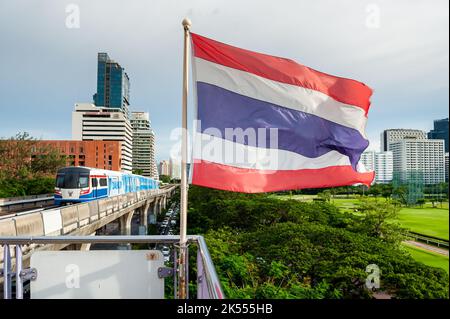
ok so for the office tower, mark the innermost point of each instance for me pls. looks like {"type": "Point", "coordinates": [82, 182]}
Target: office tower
{"type": "Point", "coordinates": [113, 84]}
{"type": "Point", "coordinates": [422, 156]}
{"type": "Point", "coordinates": [392, 135]}
{"type": "Point", "coordinates": [143, 145]}
{"type": "Point", "coordinates": [93, 123]}
{"type": "Point", "coordinates": [440, 131]}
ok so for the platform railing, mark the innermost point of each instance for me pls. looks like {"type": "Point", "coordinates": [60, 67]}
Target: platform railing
{"type": "Point", "coordinates": [208, 284]}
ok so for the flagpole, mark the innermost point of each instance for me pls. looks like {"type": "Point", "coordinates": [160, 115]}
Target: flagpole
{"type": "Point", "coordinates": [182, 269]}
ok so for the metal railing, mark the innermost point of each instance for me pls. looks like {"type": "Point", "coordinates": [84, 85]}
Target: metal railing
{"type": "Point", "coordinates": [430, 240]}
{"type": "Point", "coordinates": [13, 204]}
{"type": "Point", "coordinates": [208, 284]}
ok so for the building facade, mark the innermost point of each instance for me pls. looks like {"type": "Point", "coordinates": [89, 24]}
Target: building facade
{"type": "Point", "coordinates": [381, 163]}
{"type": "Point", "coordinates": [164, 168]}
{"type": "Point", "coordinates": [440, 132]}
{"type": "Point", "coordinates": [393, 135]}
{"type": "Point", "coordinates": [426, 157]}
{"type": "Point", "coordinates": [113, 84]}
{"type": "Point", "coordinates": [93, 123]}
{"type": "Point", "coordinates": [384, 167]}
{"type": "Point", "coordinates": [143, 145]}
{"type": "Point", "coordinates": [97, 154]}
{"type": "Point", "coordinates": [446, 167]}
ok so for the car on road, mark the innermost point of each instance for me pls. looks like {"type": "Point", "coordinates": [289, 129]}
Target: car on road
{"type": "Point", "coordinates": [165, 250]}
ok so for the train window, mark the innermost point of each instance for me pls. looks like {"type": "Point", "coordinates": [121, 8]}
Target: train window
{"type": "Point", "coordinates": [60, 181]}
{"type": "Point", "coordinates": [94, 182]}
{"type": "Point", "coordinates": [103, 182]}
{"type": "Point", "coordinates": [83, 181]}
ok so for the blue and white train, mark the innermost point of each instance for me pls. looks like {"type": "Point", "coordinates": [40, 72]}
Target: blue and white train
{"type": "Point", "coordinates": [81, 184]}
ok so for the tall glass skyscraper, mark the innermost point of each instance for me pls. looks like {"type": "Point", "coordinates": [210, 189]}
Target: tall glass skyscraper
{"type": "Point", "coordinates": [440, 131]}
{"type": "Point", "coordinates": [113, 84]}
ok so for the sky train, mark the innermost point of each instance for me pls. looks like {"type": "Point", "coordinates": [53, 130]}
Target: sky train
{"type": "Point", "coordinates": [81, 184]}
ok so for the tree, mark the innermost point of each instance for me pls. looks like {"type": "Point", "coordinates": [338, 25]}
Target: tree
{"type": "Point", "coordinates": [27, 167]}
{"type": "Point", "coordinates": [421, 202]}
{"type": "Point", "coordinates": [164, 178]}
{"type": "Point", "coordinates": [325, 195]}
{"type": "Point", "coordinates": [377, 219]}
{"type": "Point", "coordinates": [15, 156]}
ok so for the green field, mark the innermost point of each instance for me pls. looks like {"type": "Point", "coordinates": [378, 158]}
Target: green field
{"type": "Point", "coordinates": [428, 258]}
{"type": "Point", "coordinates": [427, 220]}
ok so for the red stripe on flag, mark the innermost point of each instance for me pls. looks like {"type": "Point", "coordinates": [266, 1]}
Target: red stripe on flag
{"type": "Point", "coordinates": [283, 70]}
{"type": "Point", "coordinates": [244, 180]}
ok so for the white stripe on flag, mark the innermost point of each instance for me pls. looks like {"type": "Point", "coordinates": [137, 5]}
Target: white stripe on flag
{"type": "Point", "coordinates": [282, 94]}
{"type": "Point", "coordinates": [217, 150]}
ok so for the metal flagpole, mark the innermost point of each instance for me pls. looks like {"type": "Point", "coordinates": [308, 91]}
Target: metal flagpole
{"type": "Point", "coordinates": [182, 269]}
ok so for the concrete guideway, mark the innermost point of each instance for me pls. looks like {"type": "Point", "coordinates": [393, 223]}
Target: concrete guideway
{"type": "Point", "coordinates": [431, 248]}
{"type": "Point", "coordinates": [85, 218]}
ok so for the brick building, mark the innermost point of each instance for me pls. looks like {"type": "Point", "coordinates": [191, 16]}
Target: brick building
{"type": "Point", "coordinates": [98, 154]}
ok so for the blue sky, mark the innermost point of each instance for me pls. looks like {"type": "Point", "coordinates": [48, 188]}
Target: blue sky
{"type": "Point", "coordinates": [47, 67]}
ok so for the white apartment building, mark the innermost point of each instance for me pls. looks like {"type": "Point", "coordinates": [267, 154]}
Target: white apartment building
{"type": "Point", "coordinates": [384, 167]}
{"type": "Point", "coordinates": [420, 155]}
{"type": "Point", "coordinates": [381, 163]}
{"type": "Point", "coordinates": [393, 135]}
{"type": "Point", "coordinates": [143, 144]}
{"type": "Point", "coordinates": [90, 122]}
{"type": "Point", "coordinates": [446, 167]}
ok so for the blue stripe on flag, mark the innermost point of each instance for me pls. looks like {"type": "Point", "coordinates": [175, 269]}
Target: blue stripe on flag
{"type": "Point", "coordinates": [299, 132]}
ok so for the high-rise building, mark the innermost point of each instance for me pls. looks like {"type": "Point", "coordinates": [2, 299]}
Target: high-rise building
{"type": "Point", "coordinates": [446, 167]}
{"type": "Point", "coordinates": [164, 168]}
{"type": "Point", "coordinates": [384, 166]}
{"type": "Point", "coordinates": [381, 163]}
{"type": "Point", "coordinates": [98, 154]}
{"type": "Point", "coordinates": [440, 131]}
{"type": "Point", "coordinates": [143, 144]}
{"type": "Point", "coordinates": [93, 123]}
{"type": "Point", "coordinates": [113, 84]}
{"type": "Point", "coordinates": [423, 156]}
{"type": "Point", "coordinates": [392, 135]}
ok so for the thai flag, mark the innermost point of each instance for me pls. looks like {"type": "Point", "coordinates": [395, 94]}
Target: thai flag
{"type": "Point", "coordinates": [267, 123]}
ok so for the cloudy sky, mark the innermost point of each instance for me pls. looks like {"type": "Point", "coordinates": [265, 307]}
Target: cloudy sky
{"type": "Point", "coordinates": [398, 47]}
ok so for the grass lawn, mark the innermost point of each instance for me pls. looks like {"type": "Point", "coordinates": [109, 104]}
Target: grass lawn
{"type": "Point", "coordinates": [428, 221]}
{"type": "Point", "coordinates": [427, 257]}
